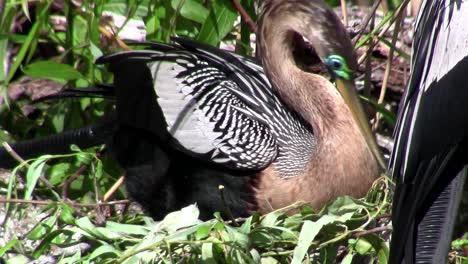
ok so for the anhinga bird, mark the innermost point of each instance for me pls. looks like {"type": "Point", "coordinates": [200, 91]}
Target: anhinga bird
{"type": "Point", "coordinates": [190, 117]}
{"type": "Point", "coordinates": [431, 140]}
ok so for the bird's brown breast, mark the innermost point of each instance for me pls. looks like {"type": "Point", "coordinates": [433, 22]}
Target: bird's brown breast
{"type": "Point", "coordinates": [340, 166]}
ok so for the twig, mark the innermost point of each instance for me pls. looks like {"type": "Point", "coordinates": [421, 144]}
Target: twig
{"type": "Point", "coordinates": [75, 175]}
{"type": "Point", "coordinates": [228, 210]}
{"type": "Point", "coordinates": [344, 12]}
{"type": "Point", "coordinates": [367, 20]}
{"type": "Point", "coordinates": [35, 202]}
{"type": "Point", "coordinates": [100, 215]}
{"type": "Point", "coordinates": [2, 7]}
{"type": "Point", "coordinates": [114, 38]}
{"type": "Point", "coordinates": [114, 188]}
{"type": "Point", "coordinates": [382, 216]}
{"type": "Point", "coordinates": [368, 72]}
{"type": "Point", "coordinates": [245, 16]}
{"type": "Point", "coordinates": [388, 68]}
{"type": "Point", "coordinates": [18, 158]}
{"type": "Point", "coordinates": [373, 231]}
{"type": "Point", "coordinates": [13, 153]}
{"type": "Point", "coordinates": [400, 9]}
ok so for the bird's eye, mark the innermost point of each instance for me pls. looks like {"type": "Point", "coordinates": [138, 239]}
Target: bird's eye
{"type": "Point", "coordinates": [338, 66]}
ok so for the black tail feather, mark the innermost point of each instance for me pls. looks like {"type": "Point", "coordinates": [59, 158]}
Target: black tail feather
{"type": "Point", "coordinates": [86, 137]}
{"type": "Point", "coordinates": [436, 228]}
{"type": "Point", "coordinates": [100, 91]}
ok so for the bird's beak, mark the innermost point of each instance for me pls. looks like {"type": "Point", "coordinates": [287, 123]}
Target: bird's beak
{"type": "Point", "coordinates": [348, 92]}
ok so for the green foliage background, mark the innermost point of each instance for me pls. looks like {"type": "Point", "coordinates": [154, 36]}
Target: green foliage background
{"type": "Point", "coordinates": [39, 54]}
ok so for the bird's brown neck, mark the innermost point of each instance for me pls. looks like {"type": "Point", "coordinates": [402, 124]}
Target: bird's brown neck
{"type": "Point", "coordinates": [310, 95]}
{"type": "Point", "coordinates": [342, 163]}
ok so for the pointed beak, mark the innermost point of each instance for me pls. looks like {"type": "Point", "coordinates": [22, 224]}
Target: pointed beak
{"type": "Point", "coordinates": [349, 94]}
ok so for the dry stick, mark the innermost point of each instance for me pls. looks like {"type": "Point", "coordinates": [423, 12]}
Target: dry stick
{"type": "Point", "coordinates": [388, 68]}
{"type": "Point", "coordinates": [113, 189]}
{"type": "Point", "coordinates": [367, 20]}
{"type": "Point", "coordinates": [35, 202]}
{"type": "Point", "coordinates": [114, 38]}
{"type": "Point", "coordinates": [18, 158]}
{"type": "Point", "coordinates": [2, 7]}
{"type": "Point", "coordinates": [344, 12]}
{"type": "Point", "coordinates": [383, 216]}
{"type": "Point", "coordinates": [373, 231]}
{"type": "Point", "coordinates": [100, 217]}
{"type": "Point", "coordinates": [245, 16]}
{"type": "Point", "coordinates": [400, 9]}
{"type": "Point", "coordinates": [368, 72]}
{"type": "Point", "coordinates": [228, 210]}
{"type": "Point", "coordinates": [67, 183]}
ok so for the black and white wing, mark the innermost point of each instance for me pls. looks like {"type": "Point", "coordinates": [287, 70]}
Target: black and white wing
{"type": "Point", "coordinates": [431, 137]}
{"type": "Point", "coordinates": [216, 105]}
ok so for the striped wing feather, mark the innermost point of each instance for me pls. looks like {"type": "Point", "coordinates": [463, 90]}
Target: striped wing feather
{"type": "Point", "coordinates": [219, 106]}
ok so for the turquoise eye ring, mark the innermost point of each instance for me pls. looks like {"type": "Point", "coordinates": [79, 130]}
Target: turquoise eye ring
{"type": "Point", "coordinates": [337, 65]}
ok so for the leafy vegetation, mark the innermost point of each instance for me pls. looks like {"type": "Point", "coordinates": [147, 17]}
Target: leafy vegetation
{"type": "Point", "coordinates": [339, 232]}
{"type": "Point", "coordinates": [46, 45]}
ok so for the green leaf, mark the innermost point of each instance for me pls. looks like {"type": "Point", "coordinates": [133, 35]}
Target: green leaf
{"type": "Point", "coordinates": [460, 243]}
{"type": "Point", "coordinates": [362, 246]}
{"type": "Point", "coordinates": [308, 232]}
{"type": "Point", "coordinates": [42, 228]}
{"type": "Point", "coordinates": [239, 238]}
{"type": "Point", "coordinates": [383, 253]}
{"type": "Point", "coordinates": [75, 258]}
{"type": "Point", "coordinates": [255, 255]}
{"type": "Point", "coordinates": [58, 172]}
{"type": "Point", "coordinates": [80, 33]}
{"type": "Point", "coordinates": [202, 232]}
{"type": "Point", "coordinates": [192, 10]}
{"type": "Point", "coordinates": [47, 241]}
{"type": "Point", "coordinates": [269, 260]}
{"type": "Point", "coordinates": [19, 259]}
{"type": "Point", "coordinates": [24, 6]}
{"type": "Point", "coordinates": [66, 214]}
{"type": "Point", "coordinates": [7, 246]}
{"type": "Point", "coordinates": [104, 249]}
{"type": "Point", "coordinates": [52, 70]}
{"type": "Point", "coordinates": [126, 228]}
{"type": "Point", "coordinates": [30, 42]}
{"type": "Point", "coordinates": [388, 115]}
{"type": "Point", "coordinates": [246, 226]}
{"type": "Point", "coordinates": [121, 7]}
{"type": "Point", "coordinates": [95, 51]}
{"type": "Point", "coordinates": [348, 258]}
{"type": "Point", "coordinates": [32, 176]}
{"type": "Point", "coordinates": [382, 256]}
{"type": "Point", "coordinates": [218, 23]}
{"type": "Point", "coordinates": [187, 216]}
{"type": "Point", "coordinates": [271, 219]}
{"type": "Point", "coordinates": [207, 253]}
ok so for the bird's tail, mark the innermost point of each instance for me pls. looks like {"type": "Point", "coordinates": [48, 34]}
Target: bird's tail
{"type": "Point", "coordinates": [436, 228]}
{"type": "Point", "coordinates": [85, 137]}
{"type": "Point", "coordinates": [99, 91]}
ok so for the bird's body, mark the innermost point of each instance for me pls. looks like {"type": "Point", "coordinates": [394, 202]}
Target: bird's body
{"type": "Point", "coordinates": [431, 140]}
{"type": "Point", "coordinates": [190, 117]}
{"type": "Point", "coordinates": [295, 157]}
